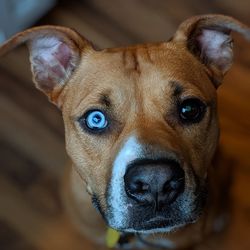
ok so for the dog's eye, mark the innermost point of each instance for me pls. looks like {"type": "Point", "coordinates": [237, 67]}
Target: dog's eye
{"type": "Point", "coordinates": [191, 110]}
{"type": "Point", "coordinates": [94, 120]}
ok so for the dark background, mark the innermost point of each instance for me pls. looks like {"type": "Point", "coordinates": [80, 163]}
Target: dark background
{"type": "Point", "coordinates": [32, 153]}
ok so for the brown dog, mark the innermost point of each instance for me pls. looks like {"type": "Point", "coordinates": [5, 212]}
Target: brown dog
{"type": "Point", "coordinates": [141, 127]}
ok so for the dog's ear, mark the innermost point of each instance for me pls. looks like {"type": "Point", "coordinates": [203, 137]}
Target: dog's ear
{"type": "Point", "coordinates": [208, 38]}
{"type": "Point", "coordinates": [55, 53]}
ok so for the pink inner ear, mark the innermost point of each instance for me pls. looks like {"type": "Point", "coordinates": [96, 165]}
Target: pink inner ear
{"type": "Point", "coordinates": [216, 46]}
{"type": "Point", "coordinates": [63, 55]}
{"type": "Point", "coordinates": [51, 61]}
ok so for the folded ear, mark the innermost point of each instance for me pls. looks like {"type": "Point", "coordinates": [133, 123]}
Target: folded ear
{"type": "Point", "coordinates": [208, 38]}
{"type": "Point", "coordinates": [55, 53]}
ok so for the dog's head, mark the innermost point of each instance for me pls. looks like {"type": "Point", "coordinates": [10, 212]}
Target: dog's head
{"type": "Point", "coordinates": [141, 122]}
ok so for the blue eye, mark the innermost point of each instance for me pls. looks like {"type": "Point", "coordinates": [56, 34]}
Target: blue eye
{"type": "Point", "coordinates": [95, 120]}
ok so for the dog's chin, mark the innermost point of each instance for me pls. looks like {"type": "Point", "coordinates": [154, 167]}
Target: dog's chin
{"type": "Point", "coordinates": [159, 225]}
{"type": "Point", "coordinates": [163, 222]}
{"type": "Point", "coordinates": [155, 226]}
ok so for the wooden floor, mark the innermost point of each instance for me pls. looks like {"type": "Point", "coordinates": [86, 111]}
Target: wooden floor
{"type": "Point", "coordinates": [32, 152]}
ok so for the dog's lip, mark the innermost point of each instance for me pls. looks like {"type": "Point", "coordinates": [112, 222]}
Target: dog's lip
{"type": "Point", "coordinates": [154, 223]}
{"type": "Point", "coordinates": [157, 219]}
{"type": "Point", "coordinates": [158, 224]}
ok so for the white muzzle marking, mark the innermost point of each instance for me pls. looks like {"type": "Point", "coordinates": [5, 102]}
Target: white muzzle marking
{"type": "Point", "coordinates": [119, 206]}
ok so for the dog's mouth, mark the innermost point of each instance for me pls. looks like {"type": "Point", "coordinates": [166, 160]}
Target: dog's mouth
{"type": "Point", "coordinates": [182, 212]}
{"type": "Point", "coordinates": [162, 224]}
{"type": "Point", "coordinates": [158, 223]}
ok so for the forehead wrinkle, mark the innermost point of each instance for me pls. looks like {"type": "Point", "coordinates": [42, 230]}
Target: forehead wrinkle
{"type": "Point", "coordinates": [130, 60]}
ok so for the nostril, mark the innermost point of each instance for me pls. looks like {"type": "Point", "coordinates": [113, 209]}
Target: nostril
{"type": "Point", "coordinates": [170, 185]}
{"type": "Point", "coordinates": [171, 189]}
{"type": "Point", "coordinates": [139, 187]}
{"type": "Point", "coordinates": [177, 184]}
{"type": "Point", "coordinates": [139, 191]}
{"type": "Point", "coordinates": [167, 187]}
{"type": "Point", "coordinates": [173, 185]}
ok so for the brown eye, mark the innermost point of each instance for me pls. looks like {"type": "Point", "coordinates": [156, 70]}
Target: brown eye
{"type": "Point", "coordinates": [191, 110]}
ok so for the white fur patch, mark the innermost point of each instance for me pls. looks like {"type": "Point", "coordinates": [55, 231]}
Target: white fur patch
{"type": "Point", "coordinates": [119, 207]}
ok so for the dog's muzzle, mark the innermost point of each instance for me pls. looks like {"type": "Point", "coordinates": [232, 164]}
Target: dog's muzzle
{"type": "Point", "coordinates": [152, 190]}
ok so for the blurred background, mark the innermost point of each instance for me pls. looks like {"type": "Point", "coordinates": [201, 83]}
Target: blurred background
{"type": "Point", "coordinates": [32, 154]}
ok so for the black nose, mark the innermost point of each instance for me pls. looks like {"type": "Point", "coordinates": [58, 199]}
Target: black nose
{"type": "Point", "coordinates": [156, 182]}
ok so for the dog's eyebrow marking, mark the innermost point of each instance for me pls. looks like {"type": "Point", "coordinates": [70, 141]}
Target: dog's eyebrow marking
{"type": "Point", "coordinates": [178, 89]}
{"type": "Point", "coordinates": [105, 100]}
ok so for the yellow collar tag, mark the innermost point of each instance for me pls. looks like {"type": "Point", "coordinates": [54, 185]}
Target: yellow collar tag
{"type": "Point", "coordinates": [112, 237]}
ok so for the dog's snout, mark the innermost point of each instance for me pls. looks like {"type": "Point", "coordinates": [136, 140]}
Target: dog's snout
{"type": "Point", "coordinates": [154, 182]}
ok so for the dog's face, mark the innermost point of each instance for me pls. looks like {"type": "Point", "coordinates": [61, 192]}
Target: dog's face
{"type": "Point", "coordinates": [141, 122]}
{"type": "Point", "coordinates": [150, 123]}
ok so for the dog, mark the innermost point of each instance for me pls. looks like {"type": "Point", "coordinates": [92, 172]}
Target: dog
{"type": "Point", "coordinates": [141, 129]}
